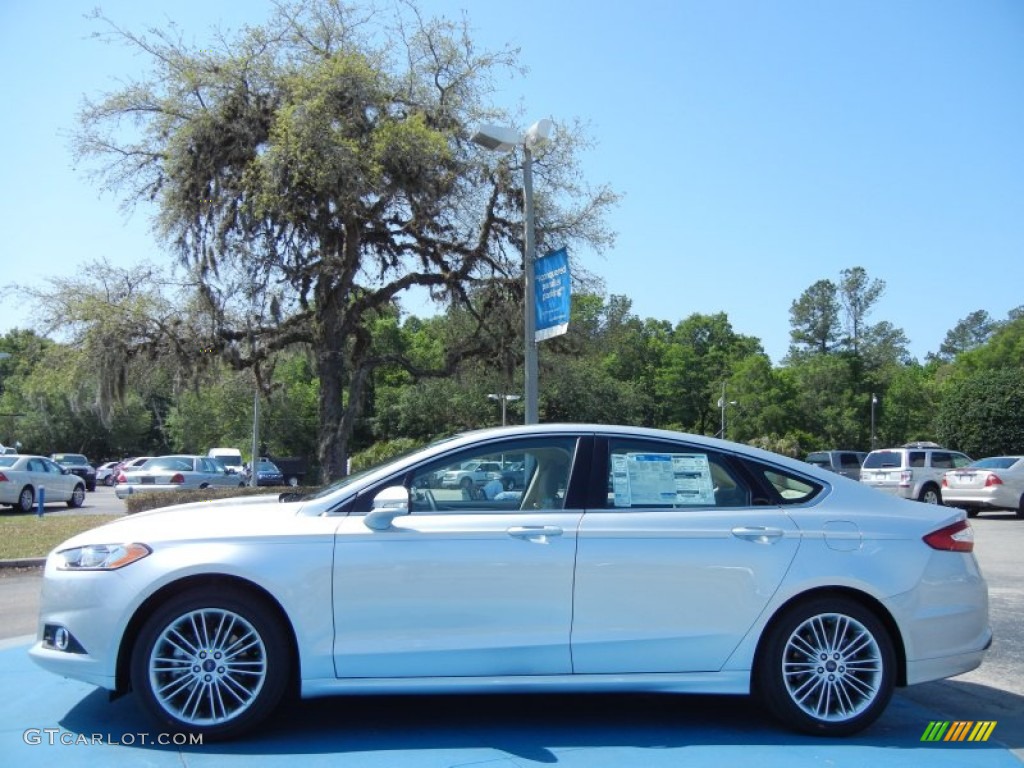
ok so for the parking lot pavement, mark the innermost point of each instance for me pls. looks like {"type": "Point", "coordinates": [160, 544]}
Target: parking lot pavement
{"type": "Point", "coordinates": [46, 721]}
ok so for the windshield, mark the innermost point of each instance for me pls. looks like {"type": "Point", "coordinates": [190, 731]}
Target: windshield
{"type": "Point", "coordinates": [337, 485]}
{"type": "Point", "coordinates": [70, 458]}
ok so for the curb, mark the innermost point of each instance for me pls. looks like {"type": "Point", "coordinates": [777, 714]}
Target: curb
{"type": "Point", "coordinates": [24, 562]}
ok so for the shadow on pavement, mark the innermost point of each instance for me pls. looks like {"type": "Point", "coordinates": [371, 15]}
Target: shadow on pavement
{"type": "Point", "coordinates": [544, 728]}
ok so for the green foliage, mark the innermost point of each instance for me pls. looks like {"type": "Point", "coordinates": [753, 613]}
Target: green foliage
{"type": "Point", "coordinates": [983, 414]}
{"type": "Point", "coordinates": [383, 451]}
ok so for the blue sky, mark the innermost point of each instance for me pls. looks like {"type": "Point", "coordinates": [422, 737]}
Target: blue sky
{"type": "Point", "coordinates": [759, 146]}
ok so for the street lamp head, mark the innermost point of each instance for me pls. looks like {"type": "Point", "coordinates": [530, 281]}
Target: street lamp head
{"type": "Point", "coordinates": [538, 133]}
{"type": "Point", "coordinates": [497, 138]}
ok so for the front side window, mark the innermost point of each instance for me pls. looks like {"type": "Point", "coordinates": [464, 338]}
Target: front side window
{"type": "Point", "coordinates": [514, 475]}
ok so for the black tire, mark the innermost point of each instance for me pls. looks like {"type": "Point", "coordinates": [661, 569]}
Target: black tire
{"type": "Point", "coordinates": [1020, 508]}
{"type": "Point", "coordinates": [91, 486]}
{"type": "Point", "coordinates": [930, 494]}
{"type": "Point", "coordinates": [972, 511]}
{"type": "Point", "coordinates": [827, 667]}
{"type": "Point", "coordinates": [26, 499]}
{"type": "Point", "coordinates": [77, 497]}
{"type": "Point", "coordinates": [167, 674]}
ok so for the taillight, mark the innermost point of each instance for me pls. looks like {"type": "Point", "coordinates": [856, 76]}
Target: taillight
{"type": "Point", "coordinates": [3, 478]}
{"type": "Point", "coordinates": [958, 537]}
{"type": "Point", "coordinates": [121, 477]}
{"type": "Point", "coordinates": [178, 479]}
{"type": "Point", "coordinates": [944, 483]}
{"type": "Point", "coordinates": [906, 478]}
{"type": "Point", "coordinates": [993, 479]}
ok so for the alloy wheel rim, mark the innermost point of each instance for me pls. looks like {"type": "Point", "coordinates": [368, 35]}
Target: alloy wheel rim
{"type": "Point", "coordinates": [207, 666]}
{"type": "Point", "coordinates": [832, 667]}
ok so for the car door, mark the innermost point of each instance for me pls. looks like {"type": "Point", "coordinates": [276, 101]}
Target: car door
{"type": "Point", "coordinates": [462, 585]}
{"type": "Point", "coordinates": [59, 485]}
{"type": "Point", "coordinates": [679, 561]}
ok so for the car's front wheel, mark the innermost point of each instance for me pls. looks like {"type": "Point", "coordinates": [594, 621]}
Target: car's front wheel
{"type": "Point", "coordinates": [211, 662]}
{"type": "Point", "coordinates": [77, 497]}
{"type": "Point", "coordinates": [827, 667]}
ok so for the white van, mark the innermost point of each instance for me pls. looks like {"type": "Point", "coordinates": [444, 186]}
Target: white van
{"type": "Point", "coordinates": [229, 457]}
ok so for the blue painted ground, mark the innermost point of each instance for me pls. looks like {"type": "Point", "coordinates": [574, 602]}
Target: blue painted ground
{"type": "Point", "coordinates": [48, 721]}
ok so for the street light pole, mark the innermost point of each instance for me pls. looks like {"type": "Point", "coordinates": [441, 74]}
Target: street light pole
{"type": "Point", "coordinates": [722, 403]}
{"type": "Point", "coordinates": [531, 415]}
{"type": "Point", "coordinates": [505, 400]}
{"type": "Point", "coordinates": [874, 402]}
{"type": "Point", "coordinates": [502, 139]}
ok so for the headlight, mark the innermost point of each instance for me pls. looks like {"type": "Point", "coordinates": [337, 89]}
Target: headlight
{"type": "Point", "coordinates": [101, 557]}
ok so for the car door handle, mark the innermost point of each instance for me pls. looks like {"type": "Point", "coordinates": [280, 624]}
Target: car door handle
{"type": "Point", "coordinates": [759, 534]}
{"type": "Point", "coordinates": [534, 532]}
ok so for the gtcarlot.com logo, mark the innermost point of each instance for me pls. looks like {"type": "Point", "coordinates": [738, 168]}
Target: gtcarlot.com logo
{"type": "Point", "coordinates": [958, 730]}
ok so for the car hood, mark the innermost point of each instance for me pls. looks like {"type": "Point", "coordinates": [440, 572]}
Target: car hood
{"type": "Point", "coordinates": [223, 518]}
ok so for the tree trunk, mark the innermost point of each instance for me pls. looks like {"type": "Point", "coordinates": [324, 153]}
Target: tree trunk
{"type": "Point", "coordinates": [329, 345]}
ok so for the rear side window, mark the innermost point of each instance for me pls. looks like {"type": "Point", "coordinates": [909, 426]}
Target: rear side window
{"type": "Point", "coordinates": [849, 461]}
{"type": "Point", "coordinates": [942, 460]}
{"type": "Point", "coordinates": [651, 474]}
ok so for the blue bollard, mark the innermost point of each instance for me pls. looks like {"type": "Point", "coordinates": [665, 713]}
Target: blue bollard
{"type": "Point", "coordinates": [42, 500]}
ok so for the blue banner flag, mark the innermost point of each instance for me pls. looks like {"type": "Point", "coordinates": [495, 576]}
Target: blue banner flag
{"type": "Point", "coordinates": [552, 294]}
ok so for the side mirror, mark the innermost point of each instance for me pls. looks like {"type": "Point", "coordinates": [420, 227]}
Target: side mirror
{"type": "Point", "coordinates": [387, 505]}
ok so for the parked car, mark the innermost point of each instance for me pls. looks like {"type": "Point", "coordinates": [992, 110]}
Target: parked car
{"type": "Point", "coordinates": [106, 472]}
{"type": "Point", "coordinates": [472, 474]}
{"type": "Point", "coordinates": [79, 465]}
{"type": "Point", "coordinates": [294, 469]}
{"type": "Point", "coordinates": [267, 473]}
{"type": "Point", "coordinates": [914, 471]}
{"type": "Point", "coordinates": [230, 458]}
{"type": "Point", "coordinates": [128, 465]}
{"type": "Point", "coordinates": [993, 483]}
{"type": "Point", "coordinates": [846, 463]}
{"type": "Point", "coordinates": [635, 559]}
{"type": "Point", "coordinates": [173, 473]}
{"type": "Point", "coordinates": [22, 477]}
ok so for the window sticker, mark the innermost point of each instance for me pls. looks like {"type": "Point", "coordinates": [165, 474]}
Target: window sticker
{"type": "Point", "coordinates": [662, 479]}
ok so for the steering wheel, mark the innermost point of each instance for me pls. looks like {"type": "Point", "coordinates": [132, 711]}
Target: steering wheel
{"type": "Point", "coordinates": [425, 494]}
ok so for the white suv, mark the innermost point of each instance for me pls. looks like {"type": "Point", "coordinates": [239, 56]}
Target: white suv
{"type": "Point", "coordinates": [914, 471]}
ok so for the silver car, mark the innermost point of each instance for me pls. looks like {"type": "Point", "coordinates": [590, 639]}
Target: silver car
{"type": "Point", "coordinates": [172, 473]}
{"type": "Point", "coordinates": [632, 560]}
{"type": "Point", "coordinates": [993, 483]}
{"type": "Point", "coordinates": [23, 478]}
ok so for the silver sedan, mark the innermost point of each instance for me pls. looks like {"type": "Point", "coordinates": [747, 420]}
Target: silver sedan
{"type": "Point", "coordinates": [172, 473]}
{"type": "Point", "coordinates": [631, 560]}
{"type": "Point", "coordinates": [24, 478]}
{"type": "Point", "coordinates": [993, 483]}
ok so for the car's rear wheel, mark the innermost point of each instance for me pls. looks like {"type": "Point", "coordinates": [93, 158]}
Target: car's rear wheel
{"type": "Point", "coordinates": [1020, 508]}
{"type": "Point", "coordinates": [77, 497]}
{"type": "Point", "coordinates": [930, 494]}
{"type": "Point", "coordinates": [214, 664]}
{"type": "Point", "coordinates": [827, 667]}
{"type": "Point", "coordinates": [26, 499]}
